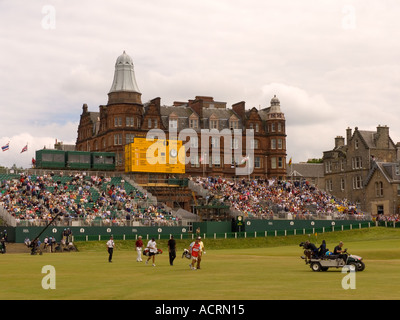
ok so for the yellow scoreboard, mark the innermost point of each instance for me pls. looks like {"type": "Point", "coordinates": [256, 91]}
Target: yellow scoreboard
{"type": "Point", "coordinates": [155, 156]}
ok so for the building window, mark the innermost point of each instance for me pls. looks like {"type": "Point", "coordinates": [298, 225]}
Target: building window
{"type": "Point", "coordinates": [356, 144]}
{"type": "Point", "coordinates": [357, 182]}
{"type": "Point", "coordinates": [254, 144]}
{"type": "Point", "coordinates": [215, 142]}
{"type": "Point", "coordinates": [328, 167]}
{"type": "Point", "coordinates": [213, 124]}
{"type": "Point", "coordinates": [257, 127]}
{"type": "Point", "coordinates": [356, 163]}
{"type": "Point", "coordinates": [280, 162]}
{"type": "Point", "coordinates": [173, 124]}
{"type": "Point", "coordinates": [117, 139]}
{"type": "Point", "coordinates": [233, 124]}
{"type": "Point", "coordinates": [280, 144]}
{"type": "Point", "coordinates": [194, 161]}
{"type": "Point", "coordinates": [235, 143]}
{"type": "Point", "coordinates": [149, 123]}
{"type": "Point", "coordinates": [194, 142]}
{"type": "Point", "coordinates": [194, 123]}
{"type": "Point", "coordinates": [257, 162]}
{"type": "Point", "coordinates": [216, 161]}
{"type": "Point", "coordinates": [129, 138]}
{"type": "Point", "coordinates": [329, 185]}
{"type": "Point", "coordinates": [342, 165]}
{"type": "Point", "coordinates": [272, 127]}
{"type": "Point", "coordinates": [342, 184]}
{"type": "Point", "coordinates": [130, 121]}
{"type": "Point", "coordinates": [118, 122]}
{"type": "Point", "coordinates": [273, 163]}
{"type": "Point", "coordinates": [379, 189]}
{"type": "Point", "coordinates": [273, 144]}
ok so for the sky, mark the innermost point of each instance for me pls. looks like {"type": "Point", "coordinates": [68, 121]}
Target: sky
{"type": "Point", "coordinates": [333, 64]}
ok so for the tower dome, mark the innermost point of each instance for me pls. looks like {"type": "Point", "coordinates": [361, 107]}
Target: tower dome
{"type": "Point", "coordinates": [124, 87]}
{"type": "Point", "coordinates": [124, 75]}
{"type": "Point", "coordinates": [275, 105]}
{"type": "Point", "coordinates": [275, 101]}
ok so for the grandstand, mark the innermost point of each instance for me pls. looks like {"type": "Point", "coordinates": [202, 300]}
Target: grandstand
{"type": "Point", "coordinates": [32, 199]}
{"type": "Point", "coordinates": [109, 200]}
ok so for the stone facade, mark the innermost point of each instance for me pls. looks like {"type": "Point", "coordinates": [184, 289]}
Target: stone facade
{"type": "Point", "coordinates": [350, 169]}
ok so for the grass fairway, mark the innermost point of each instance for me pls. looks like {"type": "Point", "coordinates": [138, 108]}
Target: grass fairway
{"type": "Point", "coordinates": [250, 269]}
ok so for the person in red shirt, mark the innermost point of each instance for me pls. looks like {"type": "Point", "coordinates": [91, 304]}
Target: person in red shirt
{"type": "Point", "coordinates": [194, 250]}
{"type": "Point", "coordinates": [139, 247]}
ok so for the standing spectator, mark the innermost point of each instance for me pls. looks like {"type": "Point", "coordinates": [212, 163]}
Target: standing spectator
{"type": "Point", "coordinates": [201, 252]}
{"type": "Point", "coordinates": [46, 242]}
{"type": "Point", "coordinates": [152, 245]}
{"type": "Point", "coordinates": [110, 248]}
{"type": "Point", "coordinates": [3, 245]}
{"type": "Point", "coordinates": [172, 250]}
{"type": "Point", "coordinates": [139, 247]}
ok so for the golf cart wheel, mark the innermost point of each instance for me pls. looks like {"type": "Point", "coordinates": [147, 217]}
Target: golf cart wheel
{"type": "Point", "coordinates": [353, 266]}
{"type": "Point", "coordinates": [360, 266]}
{"type": "Point", "coordinates": [315, 266]}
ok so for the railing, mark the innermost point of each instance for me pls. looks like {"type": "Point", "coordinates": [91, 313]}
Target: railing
{"type": "Point", "coordinates": [228, 235]}
{"type": "Point", "coordinates": [81, 222]}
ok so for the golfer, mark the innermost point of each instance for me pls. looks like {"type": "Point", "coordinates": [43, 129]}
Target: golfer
{"type": "Point", "coordinates": [139, 247]}
{"type": "Point", "coordinates": [110, 248]}
{"type": "Point", "coordinates": [172, 250]}
{"type": "Point", "coordinates": [152, 245]}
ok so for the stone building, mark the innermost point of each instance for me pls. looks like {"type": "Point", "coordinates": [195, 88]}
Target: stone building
{"type": "Point", "coordinates": [125, 117]}
{"type": "Point", "coordinates": [351, 169]}
{"type": "Point", "coordinates": [382, 188]}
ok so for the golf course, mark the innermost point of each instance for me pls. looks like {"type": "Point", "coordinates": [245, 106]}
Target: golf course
{"type": "Point", "coordinates": [232, 269]}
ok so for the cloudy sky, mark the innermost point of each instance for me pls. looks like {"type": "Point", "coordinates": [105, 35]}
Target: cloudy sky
{"type": "Point", "coordinates": [333, 64]}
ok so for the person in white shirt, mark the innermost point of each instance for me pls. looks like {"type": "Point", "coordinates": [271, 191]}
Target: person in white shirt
{"type": "Point", "coordinates": [110, 248]}
{"type": "Point", "coordinates": [152, 245]}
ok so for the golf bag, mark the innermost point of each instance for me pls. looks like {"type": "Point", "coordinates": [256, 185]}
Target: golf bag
{"type": "Point", "coordinates": [146, 251]}
{"type": "Point", "coordinates": [186, 254]}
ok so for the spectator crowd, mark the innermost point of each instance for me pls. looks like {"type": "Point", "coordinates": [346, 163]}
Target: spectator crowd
{"type": "Point", "coordinates": [112, 201]}
{"type": "Point", "coordinates": [261, 198]}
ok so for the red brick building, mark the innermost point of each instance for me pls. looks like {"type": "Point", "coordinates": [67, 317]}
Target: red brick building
{"type": "Point", "coordinates": [125, 117]}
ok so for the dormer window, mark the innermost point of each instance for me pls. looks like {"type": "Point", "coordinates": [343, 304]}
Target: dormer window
{"type": "Point", "coordinates": [193, 121]}
{"type": "Point", "coordinates": [173, 123]}
{"type": "Point", "coordinates": [213, 124]}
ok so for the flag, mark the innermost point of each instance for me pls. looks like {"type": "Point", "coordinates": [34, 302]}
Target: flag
{"type": "Point", "coordinates": [290, 161]}
{"type": "Point", "coordinates": [24, 149]}
{"type": "Point", "coordinates": [6, 147]}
